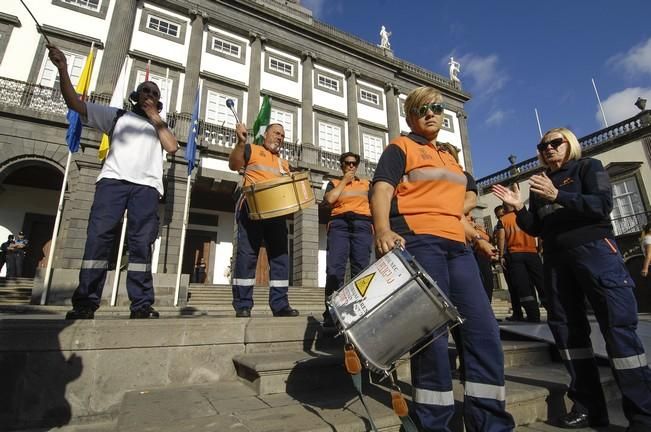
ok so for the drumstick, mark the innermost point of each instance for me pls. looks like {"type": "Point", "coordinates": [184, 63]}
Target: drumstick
{"type": "Point", "coordinates": [37, 24]}
{"type": "Point", "coordinates": [230, 104]}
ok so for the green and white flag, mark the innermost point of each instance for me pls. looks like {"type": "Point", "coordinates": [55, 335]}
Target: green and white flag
{"type": "Point", "coordinates": [262, 121]}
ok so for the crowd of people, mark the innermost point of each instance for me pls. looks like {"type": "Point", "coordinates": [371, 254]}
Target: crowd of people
{"type": "Point", "coordinates": [420, 199]}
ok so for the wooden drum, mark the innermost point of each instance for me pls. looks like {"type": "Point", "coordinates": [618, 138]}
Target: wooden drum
{"type": "Point", "coordinates": [280, 196]}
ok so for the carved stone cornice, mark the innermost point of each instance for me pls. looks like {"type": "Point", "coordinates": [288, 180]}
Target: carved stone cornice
{"type": "Point", "coordinates": [355, 72]}
{"type": "Point", "coordinates": [306, 54]}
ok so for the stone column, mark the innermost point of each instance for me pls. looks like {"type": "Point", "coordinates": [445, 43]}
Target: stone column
{"type": "Point", "coordinates": [465, 140]}
{"type": "Point", "coordinates": [307, 117]}
{"type": "Point", "coordinates": [353, 124]}
{"type": "Point", "coordinates": [117, 46]}
{"type": "Point", "coordinates": [193, 63]}
{"type": "Point", "coordinates": [255, 71]}
{"type": "Point", "coordinates": [306, 247]}
{"type": "Point", "coordinates": [393, 115]}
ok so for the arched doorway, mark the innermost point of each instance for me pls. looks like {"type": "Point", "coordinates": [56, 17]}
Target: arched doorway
{"type": "Point", "coordinates": [29, 192]}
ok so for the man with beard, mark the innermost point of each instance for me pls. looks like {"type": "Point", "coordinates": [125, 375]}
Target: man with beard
{"type": "Point", "coordinates": [131, 179]}
{"type": "Point", "coordinates": [260, 163]}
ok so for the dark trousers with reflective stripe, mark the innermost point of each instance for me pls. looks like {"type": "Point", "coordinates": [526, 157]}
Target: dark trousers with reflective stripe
{"type": "Point", "coordinates": [348, 239]}
{"type": "Point", "coordinates": [525, 272]}
{"type": "Point", "coordinates": [596, 270]}
{"type": "Point", "coordinates": [112, 197]}
{"type": "Point", "coordinates": [452, 265]}
{"type": "Point", "coordinates": [250, 235]}
{"type": "Point", "coordinates": [513, 289]}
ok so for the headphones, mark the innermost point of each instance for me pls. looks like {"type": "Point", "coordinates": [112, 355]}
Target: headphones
{"type": "Point", "coordinates": [134, 97]}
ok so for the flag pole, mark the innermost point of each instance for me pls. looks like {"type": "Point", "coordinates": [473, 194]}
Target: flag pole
{"type": "Point", "coordinates": [603, 114]}
{"type": "Point", "coordinates": [66, 172]}
{"type": "Point", "coordinates": [118, 262]}
{"type": "Point", "coordinates": [55, 231]}
{"type": "Point", "coordinates": [182, 246]}
{"type": "Point", "coordinates": [538, 121]}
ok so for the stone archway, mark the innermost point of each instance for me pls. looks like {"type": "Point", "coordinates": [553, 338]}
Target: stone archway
{"type": "Point", "coordinates": [29, 191]}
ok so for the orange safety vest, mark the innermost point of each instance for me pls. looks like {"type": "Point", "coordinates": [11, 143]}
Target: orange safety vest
{"type": "Point", "coordinates": [353, 199]}
{"type": "Point", "coordinates": [429, 199]}
{"type": "Point", "coordinates": [516, 239]}
{"type": "Point", "coordinates": [263, 165]}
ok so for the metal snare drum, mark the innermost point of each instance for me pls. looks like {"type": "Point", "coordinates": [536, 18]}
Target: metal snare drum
{"type": "Point", "coordinates": [389, 308]}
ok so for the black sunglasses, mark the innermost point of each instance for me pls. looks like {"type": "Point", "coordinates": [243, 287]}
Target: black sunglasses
{"type": "Point", "coordinates": [147, 90]}
{"type": "Point", "coordinates": [435, 107]}
{"type": "Point", "coordinates": [350, 163]}
{"type": "Point", "coordinates": [555, 143]}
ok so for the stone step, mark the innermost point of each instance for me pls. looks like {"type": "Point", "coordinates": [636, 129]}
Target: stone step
{"type": "Point", "coordinates": [276, 371]}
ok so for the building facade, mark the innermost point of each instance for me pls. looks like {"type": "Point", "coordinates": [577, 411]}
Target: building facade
{"type": "Point", "coordinates": [332, 91]}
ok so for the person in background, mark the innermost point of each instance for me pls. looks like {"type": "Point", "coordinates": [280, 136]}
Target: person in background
{"type": "Point", "coordinates": [499, 235]}
{"type": "Point", "coordinates": [350, 230]}
{"type": "Point", "coordinates": [4, 249]}
{"type": "Point", "coordinates": [645, 244]}
{"type": "Point", "coordinates": [485, 263]}
{"type": "Point", "coordinates": [17, 252]}
{"type": "Point", "coordinates": [417, 201]}
{"type": "Point", "coordinates": [569, 207]}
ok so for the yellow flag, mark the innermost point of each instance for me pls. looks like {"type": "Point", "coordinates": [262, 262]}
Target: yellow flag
{"type": "Point", "coordinates": [103, 147]}
{"type": "Point", "coordinates": [84, 79]}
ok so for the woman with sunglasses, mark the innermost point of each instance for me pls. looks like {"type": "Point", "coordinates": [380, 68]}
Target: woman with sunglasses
{"type": "Point", "coordinates": [569, 208]}
{"type": "Point", "coordinates": [350, 231]}
{"type": "Point", "coordinates": [417, 200]}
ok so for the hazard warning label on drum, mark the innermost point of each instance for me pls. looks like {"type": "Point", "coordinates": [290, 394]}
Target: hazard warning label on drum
{"type": "Point", "coordinates": [363, 283]}
{"type": "Point", "coordinates": [374, 284]}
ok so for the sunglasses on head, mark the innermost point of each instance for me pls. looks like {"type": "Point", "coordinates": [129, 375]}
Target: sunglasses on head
{"type": "Point", "coordinates": [350, 163]}
{"type": "Point", "coordinates": [435, 107]}
{"type": "Point", "coordinates": [147, 90]}
{"type": "Point", "coordinates": [555, 143]}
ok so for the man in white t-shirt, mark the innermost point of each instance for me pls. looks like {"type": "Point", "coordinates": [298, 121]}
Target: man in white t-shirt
{"type": "Point", "coordinates": [131, 179]}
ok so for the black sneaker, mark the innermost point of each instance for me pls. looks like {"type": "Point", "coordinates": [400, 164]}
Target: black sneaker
{"type": "Point", "coordinates": [243, 313]}
{"type": "Point", "coordinates": [287, 311]}
{"type": "Point", "coordinates": [577, 420]}
{"type": "Point", "coordinates": [79, 313]}
{"type": "Point", "coordinates": [144, 313]}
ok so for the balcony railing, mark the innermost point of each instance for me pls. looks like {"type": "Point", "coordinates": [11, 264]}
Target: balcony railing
{"type": "Point", "coordinates": [215, 137]}
{"type": "Point", "coordinates": [588, 143]}
{"type": "Point", "coordinates": [630, 224]}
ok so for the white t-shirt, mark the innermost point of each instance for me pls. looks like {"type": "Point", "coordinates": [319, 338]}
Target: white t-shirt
{"type": "Point", "coordinates": [135, 152]}
{"type": "Point", "coordinates": [645, 241]}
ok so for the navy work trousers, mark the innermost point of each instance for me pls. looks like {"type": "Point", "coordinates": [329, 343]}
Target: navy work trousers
{"type": "Point", "coordinates": [112, 198]}
{"type": "Point", "coordinates": [452, 265]}
{"type": "Point", "coordinates": [348, 239]}
{"type": "Point", "coordinates": [250, 235]}
{"type": "Point", "coordinates": [596, 270]}
{"type": "Point", "coordinates": [525, 272]}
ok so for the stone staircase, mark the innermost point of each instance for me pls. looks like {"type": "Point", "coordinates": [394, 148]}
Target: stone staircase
{"type": "Point", "coordinates": [290, 377]}
{"type": "Point", "coordinates": [15, 291]}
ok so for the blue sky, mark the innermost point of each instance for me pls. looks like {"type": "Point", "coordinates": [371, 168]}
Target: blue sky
{"type": "Point", "coordinates": [517, 55]}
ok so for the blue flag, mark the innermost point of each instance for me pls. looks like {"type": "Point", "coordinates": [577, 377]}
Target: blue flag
{"type": "Point", "coordinates": [73, 135]}
{"type": "Point", "coordinates": [191, 148]}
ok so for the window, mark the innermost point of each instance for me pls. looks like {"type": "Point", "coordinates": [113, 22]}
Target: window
{"type": "Point", "coordinates": [50, 74]}
{"type": "Point", "coordinates": [225, 47]}
{"type": "Point", "coordinates": [369, 96]}
{"type": "Point", "coordinates": [372, 146]}
{"type": "Point", "coordinates": [164, 84]}
{"type": "Point", "coordinates": [446, 123]}
{"type": "Point", "coordinates": [216, 110]}
{"type": "Point", "coordinates": [328, 83]}
{"type": "Point", "coordinates": [160, 25]}
{"type": "Point", "coordinates": [330, 137]}
{"type": "Point", "coordinates": [628, 210]}
{"type": "Point", "coordinates": [287, 120]}
{"type": "Point", "coordinates": [86, 4]}
{"type": "Point", "coordinates": [281, 66]}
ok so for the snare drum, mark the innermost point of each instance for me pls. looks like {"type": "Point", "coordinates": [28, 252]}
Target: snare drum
{"type": "Point", "coordinates": [280, 196]}
{"type": "Point", "coordinates": [389, 308]}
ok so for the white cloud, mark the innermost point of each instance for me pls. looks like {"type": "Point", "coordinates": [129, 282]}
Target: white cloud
{"type": "Point", "coordinates": [496, 118]}
{"type": "Point", "coordinates": [620, 106]}
{"type": "Point", "coordinates": [316, 6]}
{"type": "Point", "coordinates": [637, 61]}
{"type": "Point", "coordinates": [485, 73]}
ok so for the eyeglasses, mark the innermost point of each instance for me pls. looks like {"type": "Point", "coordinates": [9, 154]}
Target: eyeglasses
{"type": "Point", "coordinates": [350, 163]}
{"type": "Point", "coordinates": [555, 143]}
{"type": "Point", "coordinates": [147, 90]}
{"type": "Point", "coordinates": [435, 107]}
